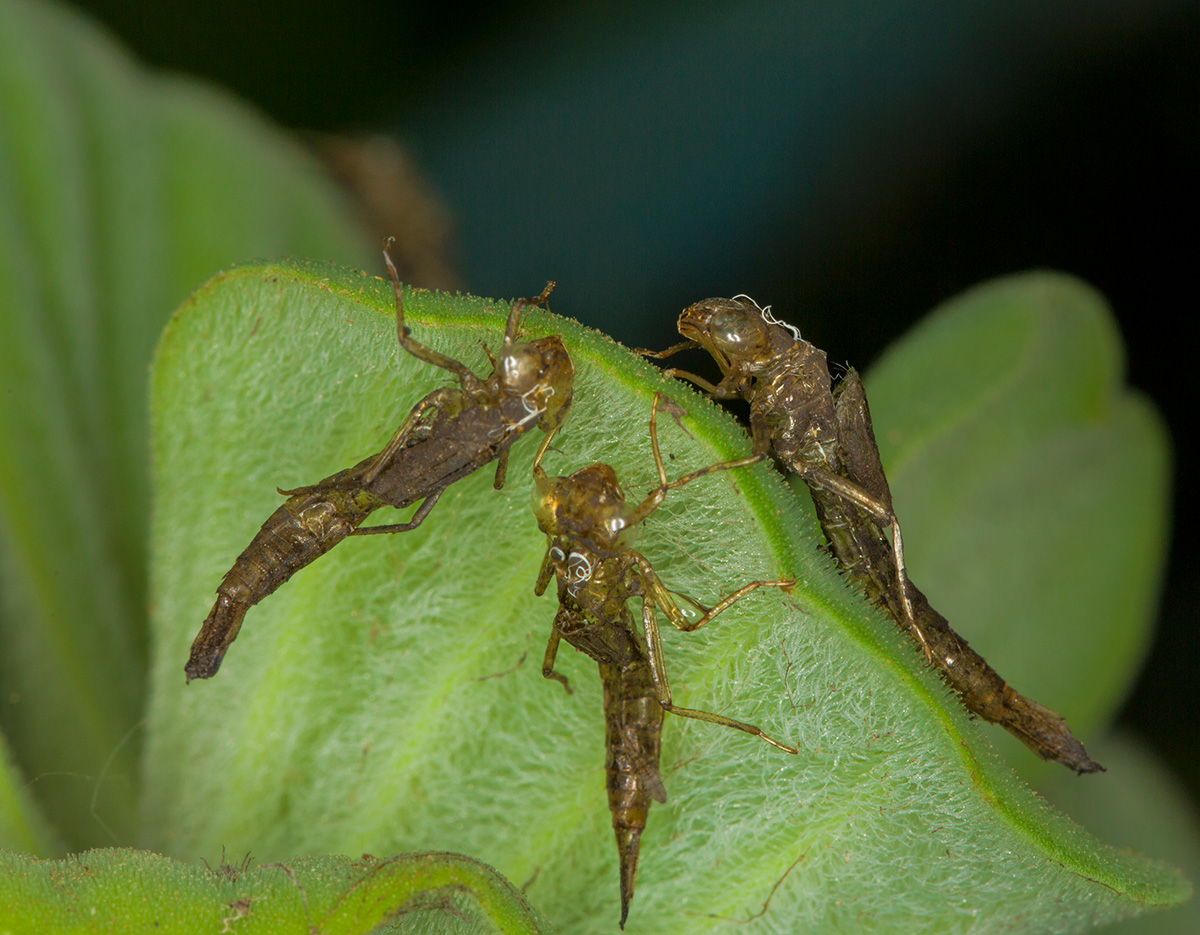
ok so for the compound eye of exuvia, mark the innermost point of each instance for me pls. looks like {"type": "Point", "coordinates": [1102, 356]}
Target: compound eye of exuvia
{"type": "Point", "coordinates": [614, 524]}
{"type": "Point", "coordinates": [520, 368]}
{"type": "Point", "coordinates": [734, 329]}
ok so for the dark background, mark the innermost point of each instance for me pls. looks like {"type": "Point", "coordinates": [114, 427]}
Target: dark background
{"type": "Point", "coordinates": [853, 167]}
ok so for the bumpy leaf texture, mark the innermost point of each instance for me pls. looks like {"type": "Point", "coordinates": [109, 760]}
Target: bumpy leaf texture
{"type": "Point", "coordinates": [388, 697]}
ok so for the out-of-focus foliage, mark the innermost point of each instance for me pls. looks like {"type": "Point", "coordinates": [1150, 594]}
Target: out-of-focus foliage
{"type": "Point", "coordinates": [120, 190]}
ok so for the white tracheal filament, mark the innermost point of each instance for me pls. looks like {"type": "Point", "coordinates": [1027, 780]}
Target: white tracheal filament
{"type": "Point", "coordinates": [579, 571]}
{"type": "Point", "coordinates": [771, 319]}
{"type": "Point", "coordinates": [530, 407]}
{"type": "Point", "coordinates": [579, 568]}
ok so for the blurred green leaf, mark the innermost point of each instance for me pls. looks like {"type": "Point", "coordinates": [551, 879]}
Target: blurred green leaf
{"type": "Point", "coordinates": [384, 698]}
{"type": "Point", "coordinates": [22, 826]}
{"type": "Point", "coordinates": [119, 191]}
{"type": "Point", "coordinates": [1141, 806]}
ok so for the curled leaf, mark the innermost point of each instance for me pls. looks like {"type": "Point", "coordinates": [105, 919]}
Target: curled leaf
{"type": "Point", "coordinates": [388, 697]}
{"type": "Point", "coordinates": [120, 891]}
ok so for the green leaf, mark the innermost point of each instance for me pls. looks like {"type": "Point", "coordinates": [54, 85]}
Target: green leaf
{"type": "Point", "coordinates": [1141, 806]}
{"type": "Point", "coordinates": [1033, 488]}
{"type": "Point", "coordinates": [388, 697]}
{"type": "Point", "coordinates": [22, 825]}
{"type": "Point", "coordinates": [126, 891]}
{"type": "Point", "coordinates": [119, 192]}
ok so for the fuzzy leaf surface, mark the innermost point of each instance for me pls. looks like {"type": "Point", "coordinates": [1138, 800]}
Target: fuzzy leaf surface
{"type": "Point", "coordinates": [388, 697]}
{"type": "Point", "coordinates": [117, 891]}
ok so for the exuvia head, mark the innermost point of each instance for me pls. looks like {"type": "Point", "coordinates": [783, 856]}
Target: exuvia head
{"type": "Point", "coordinates": [737, 331]}
{"type": "Point", "coordinates": [589, 505]}
{"type": "Point", "coordinates": [540, 372]}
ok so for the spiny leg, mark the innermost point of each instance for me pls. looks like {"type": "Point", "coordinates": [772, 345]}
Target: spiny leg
{"type": "Point", "coordinates": [513, 325]}
{"type": "Point", "coordinates": [545, 573]}
{"type": "Point", "coordinates": [410, 344]}
{"type": "Point", "coordinates": [722, 390]}
{"type": "Point", "coordinates": [669, 352]}
{"type": "Point", "coordinates": [715, 390]}
{"type": "Point", "coordinates": [661, 597]}
{"type": "Point", "coordinates": [417, 518]}
{"type": "Point", "coordinates": [548, 662]}
{"type": "Point", "coordinates": [692, 475]}
{"type": "Point", "coordinates": [658, 671]}
{"type": "Point", "coordinates": [541, 452]}
{"type": "Point", "coordinates": [885, 519]}
{"type": "Point", "coordinates": [688, 626]}
{"type": "Point", "coordinates": [713, 468]}
{"type": "Point", "coordinates": [656, 496]}
{"type": "Point", "coordinates": [727, 722]}
{"type": "Point", "coordinates": [501, 470]}
{"type": "Point", "coordinates": [431, 403]}
{"type": "Point", "coordinates": [905, 595]}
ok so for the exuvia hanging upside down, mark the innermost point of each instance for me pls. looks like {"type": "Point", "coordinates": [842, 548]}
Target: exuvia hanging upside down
{"type": "Point", "coordinates": [449, 434]}
{"type": "Point", "coordinates": [823, 434]}
{"type": "Point", "coordinates": [589, 525]}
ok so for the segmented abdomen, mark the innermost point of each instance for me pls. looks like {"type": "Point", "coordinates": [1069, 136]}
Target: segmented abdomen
{"type": "Point", "coordinates": [866, 554]}
{"type": "Point", "coordinates": [633, 733]}
{"type": "Point", "coordinates": [302, 530]}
